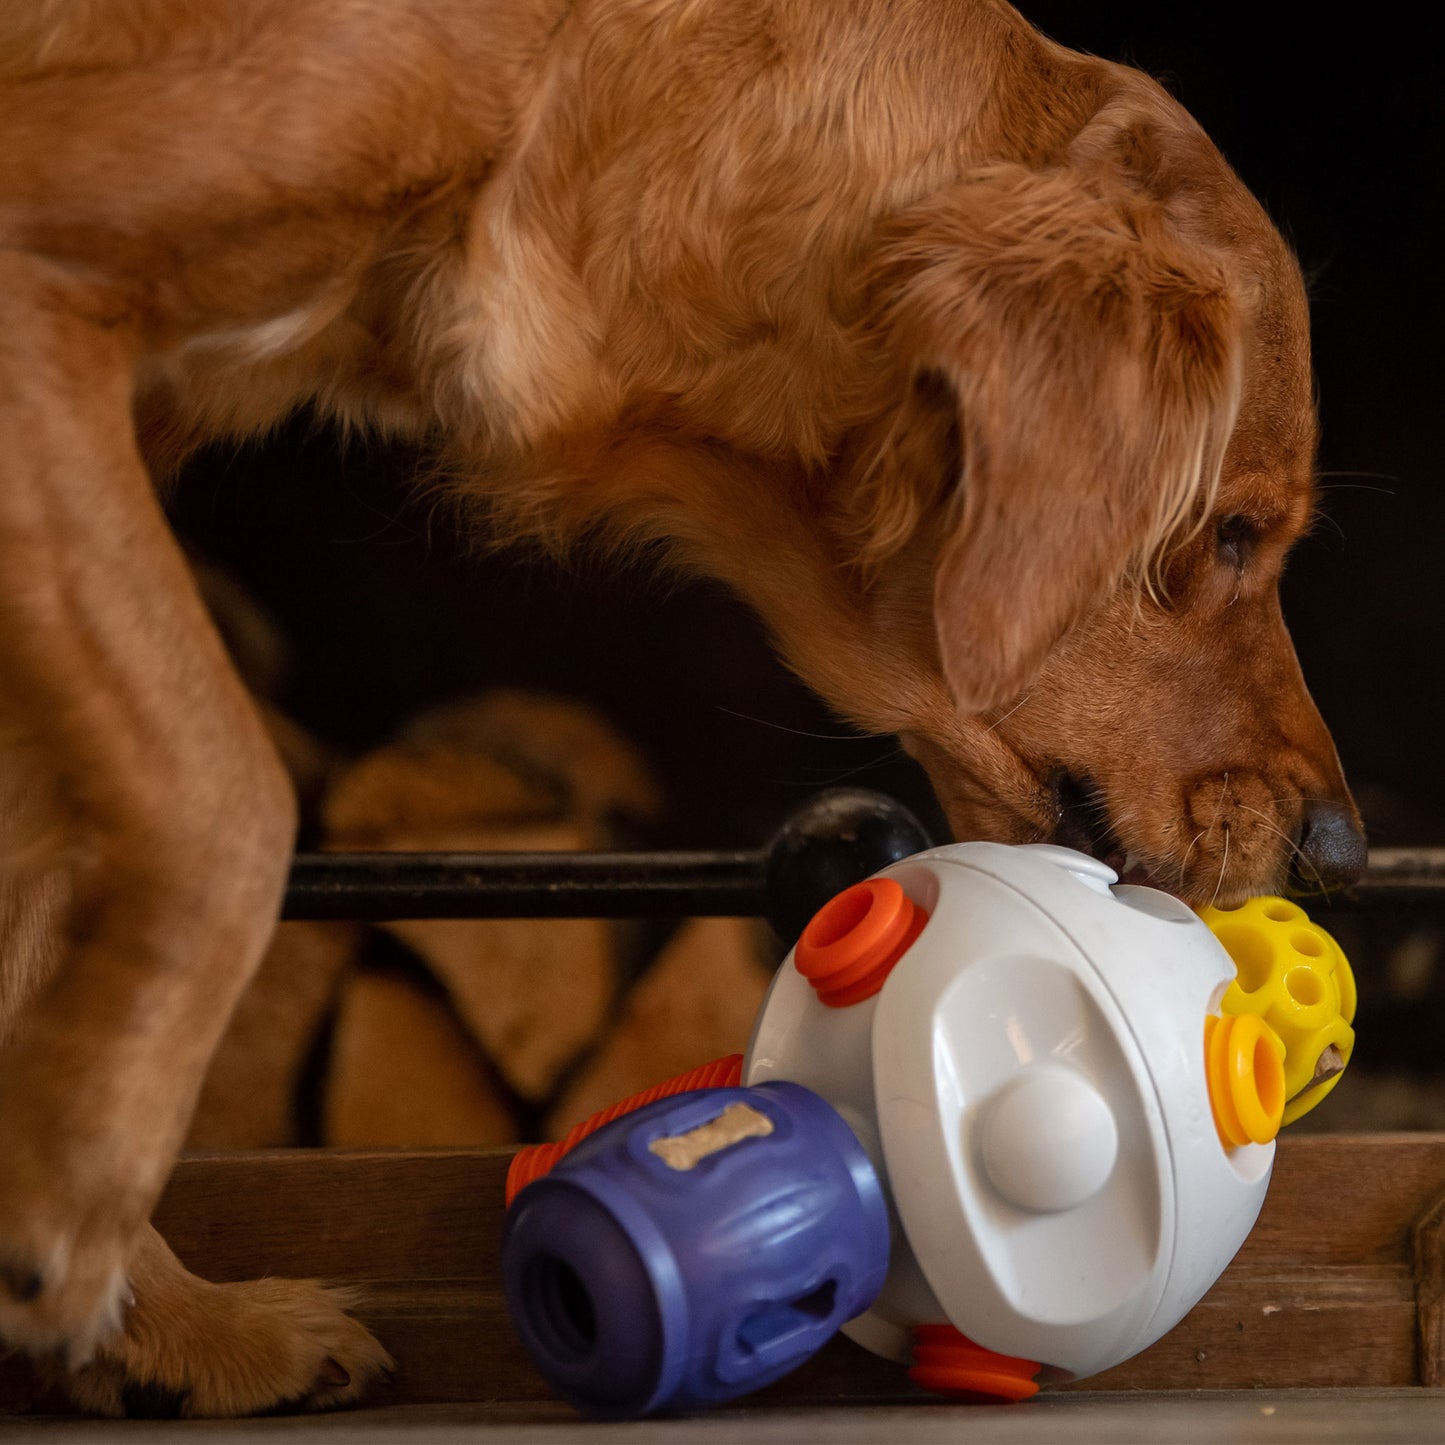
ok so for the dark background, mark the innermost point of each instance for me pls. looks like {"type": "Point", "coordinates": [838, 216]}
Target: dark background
{"type": "Point", "coordinates": [1337, 129]}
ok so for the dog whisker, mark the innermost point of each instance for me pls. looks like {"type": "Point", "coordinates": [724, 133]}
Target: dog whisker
{"type": "Point", "coordinates": [1184, 862]}
{"type": "Point", "coordinates": [1295, 850]}
{"type": "Point", "coordinates": [797, 732]}
{"type": "Point", "coordinates": [1209, 828]}
{"type": "Point", "coordinates": [830, 776]}
{"type": "Point", "coordinates": [1223, 867]}
{"type": "Point", "coordinates": [1371, 476]}
{"type": "Point", "coordinates": [998, 722]}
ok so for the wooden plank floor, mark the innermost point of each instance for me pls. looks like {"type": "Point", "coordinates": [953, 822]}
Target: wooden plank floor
{"type": "Point", "coordinates": [1327, 1292]}
{"type": "Point", "coordinates": [1268, 1417]}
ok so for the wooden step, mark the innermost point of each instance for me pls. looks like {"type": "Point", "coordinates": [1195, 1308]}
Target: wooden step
{"type": "Point", "coordinates": [1342, 1282]}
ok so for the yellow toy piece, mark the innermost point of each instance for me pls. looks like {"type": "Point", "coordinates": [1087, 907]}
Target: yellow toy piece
{"type": "Point", "coordinates": [1295, 977]}
{"type": "Point", "coordinates": [1244, 1063]}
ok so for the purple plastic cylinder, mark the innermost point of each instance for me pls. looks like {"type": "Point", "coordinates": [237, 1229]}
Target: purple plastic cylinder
{"type": "Point", "coordinates": [643, 1278]}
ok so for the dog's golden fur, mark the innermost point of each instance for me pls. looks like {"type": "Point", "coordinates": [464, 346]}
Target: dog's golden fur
{"type": "Point", "coordinates": [965, 359]}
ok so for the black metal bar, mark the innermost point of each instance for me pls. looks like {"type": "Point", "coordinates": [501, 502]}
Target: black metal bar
{"type": "Point", "coordinates": [1397, 878]}
{"type": "Point", "coordinates": [377, 887]}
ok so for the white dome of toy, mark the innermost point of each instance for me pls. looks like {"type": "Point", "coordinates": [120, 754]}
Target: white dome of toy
{"type": "Point", "coordinates": [1030, 1081]}
{"type": "Point", "coordinates": [1047, 1139]}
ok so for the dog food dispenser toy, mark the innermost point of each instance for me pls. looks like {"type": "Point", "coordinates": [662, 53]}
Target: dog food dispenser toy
{"type": "Point", "coordinates": [1001, 1119]}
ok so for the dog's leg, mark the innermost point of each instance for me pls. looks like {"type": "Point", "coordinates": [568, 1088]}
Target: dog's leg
{"type": "Point", "coordinates": [34, 892]}
{"type": "Point", "coordinates": [175, 815]}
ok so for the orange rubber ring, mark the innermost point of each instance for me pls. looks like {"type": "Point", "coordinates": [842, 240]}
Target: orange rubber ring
{"type": "Point", "coordinates": [849, 947]}
{"type": "Point", "coordinates": [536, 1160]}
{"type": "Point", "coordinates": [975, 1386]}
{"type": "Point", "coordinates": [949, 1363]}
{"type": "Point", "coordinates": [1244, 1065]}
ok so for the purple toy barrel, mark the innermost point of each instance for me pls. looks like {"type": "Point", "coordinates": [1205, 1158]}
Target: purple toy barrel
{"type": "Point", "coordinates": [695, 1249]}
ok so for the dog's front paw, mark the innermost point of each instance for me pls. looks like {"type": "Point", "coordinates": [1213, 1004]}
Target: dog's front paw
{"type": "Point", "coordinates": [192, 1349]}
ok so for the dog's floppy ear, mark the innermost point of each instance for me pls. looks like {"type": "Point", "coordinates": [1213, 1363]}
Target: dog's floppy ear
{"type": "Point", "coordinates": [1095, 358]}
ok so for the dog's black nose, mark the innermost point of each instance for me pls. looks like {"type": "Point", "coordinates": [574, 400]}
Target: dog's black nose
{"type": "Point", "coordinates": [1332, 850]}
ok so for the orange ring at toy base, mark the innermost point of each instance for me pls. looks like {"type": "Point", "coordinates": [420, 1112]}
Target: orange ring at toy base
{"type": "Point", "coordinates": [949, 1363]}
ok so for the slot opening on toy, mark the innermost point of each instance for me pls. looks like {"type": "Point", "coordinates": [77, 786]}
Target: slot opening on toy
{"type": "Point", "coordinates": [776, 1322]}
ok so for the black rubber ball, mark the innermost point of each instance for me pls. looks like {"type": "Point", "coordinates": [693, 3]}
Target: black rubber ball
{"type": "Point", "coordinates": [836, 840]}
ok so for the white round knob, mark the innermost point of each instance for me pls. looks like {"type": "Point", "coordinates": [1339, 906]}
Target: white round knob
{"type": "Point", "coordinates": [1047, 1139]}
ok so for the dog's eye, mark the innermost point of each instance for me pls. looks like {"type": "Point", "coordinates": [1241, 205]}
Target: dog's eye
{"type": "Point", "coordinates": [1236, 537]}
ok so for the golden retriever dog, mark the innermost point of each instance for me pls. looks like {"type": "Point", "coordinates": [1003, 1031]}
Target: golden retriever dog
{"type": "Point", "coordinates": [965, 359]}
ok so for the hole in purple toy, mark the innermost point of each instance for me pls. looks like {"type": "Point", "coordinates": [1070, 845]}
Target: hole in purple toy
{"type": "Point", "coordinates": [561, 1307]}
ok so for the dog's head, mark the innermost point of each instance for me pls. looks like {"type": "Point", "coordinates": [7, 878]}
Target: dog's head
{"type": "Point", "coordinates": [993, 397]}
{"type": "Point", "coordinates": [1069, 532]}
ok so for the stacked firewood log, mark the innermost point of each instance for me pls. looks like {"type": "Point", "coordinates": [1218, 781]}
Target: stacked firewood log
{"type": "Point", "coordinates": [459, 1032]}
